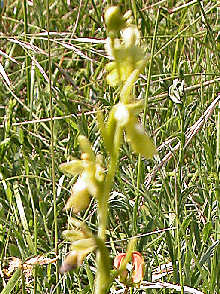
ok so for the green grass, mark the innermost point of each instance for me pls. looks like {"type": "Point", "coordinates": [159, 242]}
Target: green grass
{"type": "Point", "coordinates": [62, 77]}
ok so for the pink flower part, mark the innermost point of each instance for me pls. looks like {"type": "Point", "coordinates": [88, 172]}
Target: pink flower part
{"type": "Point", "coordinates": [138, 267]}
{"type": "Point", "coordinates": [137, 263]}
{"type": "Point", "coordinates": [118, 260]}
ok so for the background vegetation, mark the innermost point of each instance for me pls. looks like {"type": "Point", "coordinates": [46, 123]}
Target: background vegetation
{"type": "Point", "coordinates": [63, 78]}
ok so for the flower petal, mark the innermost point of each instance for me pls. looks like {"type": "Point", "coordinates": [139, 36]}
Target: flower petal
{"type": "Point", "coordinates": [79, 198]}
{"type": "Point", "coordinates": [118, 260]}
{"type": "Point", "coordinates": [138, 267]}
{"type": "Point", "coordinates": [74, 167]}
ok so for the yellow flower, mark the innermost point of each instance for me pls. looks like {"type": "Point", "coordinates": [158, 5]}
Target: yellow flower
{"type": "Point", "coordinates": [82, 244]}
{"type": "Point", "coordinates": [124, 116]}
{"type": "Point", "coordinates": [91, 175]}
{"type": "Point", "coordinates": [80, 198]}
{"type": "Point", "coordinates": [127, 56]}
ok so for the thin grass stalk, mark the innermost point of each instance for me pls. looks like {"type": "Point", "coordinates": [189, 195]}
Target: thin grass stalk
{"type": "Point", "coordinates": [184, 30]}
{"type": "Point", "coordinates": [35, 233]}
{"type": "Point", "coordinates": [27, 58]}
{"type": "Point", "coordinates": [209, 30]}
{"type": "Point", "coordinates": [135, 212]}
{"type": "Point", "coordinates": [12, 282]}
{"type": "Point", "coordinates": [52, 145]}
{"type": "Point", "coordinates": [177, 193]}
{"type": "Point", "coordinates": [217, 225]}
{"type": "Point", "coordinates": [218, 139]}
{"type": "Point", "coordinates": [23, 291]}
{"type": "Point", "coordinates": [134, 9]}
{"type": "Point", "coordinates": [103, 204]}
{"type": "Point", "coordinates": [150, 66]}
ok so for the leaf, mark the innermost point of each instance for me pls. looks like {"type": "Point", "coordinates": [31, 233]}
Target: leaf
{"type": "Point", "coordinates": [23, 217]}
{"type": "Point", "coordinates": [4, 75]}
{"type": "Point", "coordinates": [208, 253]}
{"type": "Point", "coordinates": [12, 282]}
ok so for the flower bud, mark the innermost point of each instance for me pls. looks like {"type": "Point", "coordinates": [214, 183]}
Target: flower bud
{"type": "Point", "coordinates": [137, 266]}
{"type": "Point", "coordinates": [79, 250]}
{"type": "Point", "coordinates": [86, 148]}
{"type": "Point", "coordinates": [176, 91]}
{"type": "Point", "coordinates": [117, 264]}
{"type": "Point", "coordinates": [113, 19]}
{"type": "Point", "coordinates": [113, 78]}
{"type": "Point", "coordinates": [84, 245]}
{"type": "Point", "coordinates": [73, 235]}
{"type": "Point", "coordinates": [118, 260]}
{"type": "Point", "coordinates": [128, 18]}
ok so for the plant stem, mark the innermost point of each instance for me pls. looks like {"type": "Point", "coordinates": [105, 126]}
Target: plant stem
{"type": "Point", "coordinates": [135, 212]}
{"type": "Point", "coordinates": [27, 58]}
{"type": "Point", "coordinates": [101, 283]}
{"type": "Point", "coordinates": [217, 226]}
{"type": "Point", "coordinates": [52, 145]}
{"type": "Point", "coordinates": [12, 282]}
{"type": "Point", "coordinates": [102, 215]}
{"type": "Point", "coordinates": [103, 272]}
{"type": "Point", "coordinates": [177, 193]}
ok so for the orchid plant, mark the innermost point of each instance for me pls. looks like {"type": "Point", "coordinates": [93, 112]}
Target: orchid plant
{"type": "Point", "coordinates": [128, 60]}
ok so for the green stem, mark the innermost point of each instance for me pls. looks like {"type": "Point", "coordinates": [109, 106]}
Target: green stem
{"type": "Point", "coordinates": [134, 8]}
{"type": "Point", "coordinates": [150, 67]}
{"type": "Point", "coordinates": [103, 270]}
{"type": "Point", "coordinates": [177, 200]}
{"type": "Point", "coordinates": [102, 215]}
{"type": "Point", "coordinates": [35, 233]}
{"type": "Point", "coordinates": [27, 58]}
{"type": "Point", "coordinates": [217, 225]}
{"type": "Point", "coordinates": [52, 145]}
{"type": "Point", "coordinates": [210, 32]}
{"type": "Point", "coordinates": [135, 212]}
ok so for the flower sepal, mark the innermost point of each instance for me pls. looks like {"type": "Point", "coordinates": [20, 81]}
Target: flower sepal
{"type": "Point", "coordinates": [80, 197]}
{"type": "Point", "coordinates": [73, 167]}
